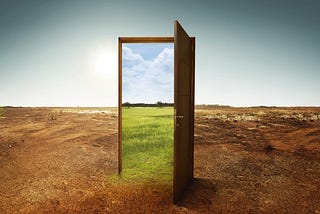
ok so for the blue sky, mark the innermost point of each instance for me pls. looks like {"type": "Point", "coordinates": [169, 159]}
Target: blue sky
{"type": "Point", "coordinates": [249, 52]}
{"type": "Point", "coordinates": [147, 73]}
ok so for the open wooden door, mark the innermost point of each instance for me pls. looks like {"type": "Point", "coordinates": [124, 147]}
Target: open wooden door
{"type": "Point", "coordinates": [184, 66]}
{"type": "Point", "coordinates": [184, 63]}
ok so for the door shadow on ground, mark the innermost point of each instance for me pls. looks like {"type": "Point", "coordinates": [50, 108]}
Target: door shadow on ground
{"type": "Point", "coordinates": [198, 194]}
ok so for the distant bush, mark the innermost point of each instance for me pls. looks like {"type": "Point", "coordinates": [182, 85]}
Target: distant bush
{"type": "Point", "coordinates": [52, 116]}
{"type": "Point", "coordinates": [113, 113]}
{"type": "Point", "coordinates": [1, 111]}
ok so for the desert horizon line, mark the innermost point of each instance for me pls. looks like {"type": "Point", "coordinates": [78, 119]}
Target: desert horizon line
{"type": "Point", "coordinates": [196, 105]}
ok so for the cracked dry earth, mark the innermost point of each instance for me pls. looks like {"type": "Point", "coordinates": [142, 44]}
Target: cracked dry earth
{"type": "Point", "coordinates": [247, 160]}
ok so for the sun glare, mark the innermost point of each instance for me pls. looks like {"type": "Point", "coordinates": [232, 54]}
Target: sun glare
{"type": "Point", "coordinates": [105, 64]}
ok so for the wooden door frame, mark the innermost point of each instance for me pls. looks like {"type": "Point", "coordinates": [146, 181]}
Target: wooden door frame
{"type": "Point", "coordinates": [122, 40]}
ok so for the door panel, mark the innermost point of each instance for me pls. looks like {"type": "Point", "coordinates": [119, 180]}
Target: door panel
{"type": "Point", "coordinates": [184, 108]}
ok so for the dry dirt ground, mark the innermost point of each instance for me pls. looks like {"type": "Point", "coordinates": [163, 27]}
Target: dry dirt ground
{"type": "Point", "coordinates": [247, 160]}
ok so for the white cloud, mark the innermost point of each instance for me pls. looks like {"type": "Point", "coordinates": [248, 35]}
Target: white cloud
{"type": "Point", "coordinates": [129, 56]}
{"type": "Point", "coordinates": [147, 81]}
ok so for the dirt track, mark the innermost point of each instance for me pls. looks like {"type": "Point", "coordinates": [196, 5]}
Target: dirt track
{"type": "Point", "coordinates": [261, 160]}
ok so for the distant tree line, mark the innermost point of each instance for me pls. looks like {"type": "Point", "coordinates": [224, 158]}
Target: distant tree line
{"type": "Point", "coordinates": [157, 104]}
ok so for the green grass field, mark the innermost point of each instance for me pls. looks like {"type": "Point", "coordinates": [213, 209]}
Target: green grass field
{"type": "Point", "coordinates": [147, 141]}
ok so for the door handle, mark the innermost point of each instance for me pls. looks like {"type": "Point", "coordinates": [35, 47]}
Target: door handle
{"type": "Point", "coordinates": [178, 117]}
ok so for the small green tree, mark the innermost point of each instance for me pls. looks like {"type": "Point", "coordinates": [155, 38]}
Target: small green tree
{"type": "Point", "coordinates": [159, 104]}
{"type": "Point", "coordinates": [126, 104]}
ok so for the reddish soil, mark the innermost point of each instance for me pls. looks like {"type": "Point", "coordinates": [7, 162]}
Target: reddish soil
{"type": "Point", "coordinates": [247, 160]}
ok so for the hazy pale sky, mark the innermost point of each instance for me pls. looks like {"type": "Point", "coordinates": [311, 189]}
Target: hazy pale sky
{"type": "Point", "coordinates": [249, 52]}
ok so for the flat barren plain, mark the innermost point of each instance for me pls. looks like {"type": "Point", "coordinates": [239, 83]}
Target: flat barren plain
{"type": "Point", "coordinates": [247, 160]}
